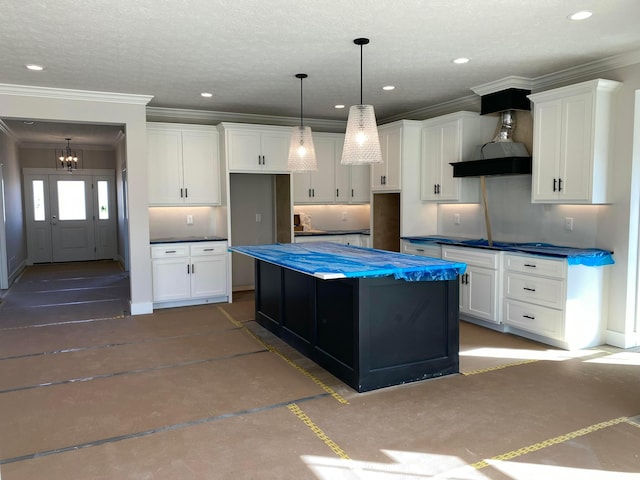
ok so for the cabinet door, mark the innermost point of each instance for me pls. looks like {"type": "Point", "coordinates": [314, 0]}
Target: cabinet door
{"type": "Point", "coordinates": [301, 187]}
{"type": "Point", "coordinates": [243, 149]}
{"type": "Point", "coordinates": [482, 295]}
{"type": "Point", "coordinates": [164, 154]}
{"type": "Point", "coordinates": [171, 279]}
{"type": "Point", "coordinates": [360, 191]}
{"type": "Point", "coordinates": [275, 151]}
{"type": "Point", "coordinates": [547, 147]}
{"type": "Point", "coordinates": [576, 165]}
{"type": "Point", "coordinates": [449, 153]}
{"type": "Point", "coordinates": [322, 180]}
{"type": "Point", "coordinates": [386, 175]}
{"type": "Point", "coordinates": [201, 166]}
{"type": "Point", "coordinates": [209, 276]}
{"type": "Point", "coordinates": [431, 164]}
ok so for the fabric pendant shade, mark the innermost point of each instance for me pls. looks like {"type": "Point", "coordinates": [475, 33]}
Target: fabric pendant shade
{"type": "Point", "coordinates": [361, 143]}
{"type": "Point", "coordinates": [302, 153]}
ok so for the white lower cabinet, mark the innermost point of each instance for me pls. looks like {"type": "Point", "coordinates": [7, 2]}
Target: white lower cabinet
{"type": "Point", "coordinates": [480, 284]}
{"type": "Point", "coordinates": [548, 300]}
{"type": "Point", "coordinates": [189, 273]}
{"type": "Point", "coordinates": [433, 250]}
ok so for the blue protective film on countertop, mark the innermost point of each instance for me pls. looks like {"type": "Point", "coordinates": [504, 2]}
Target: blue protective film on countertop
{"type": "Point", "coordinates": [327, 258]}
{"type": "Point", "coordinates": [590, 257]}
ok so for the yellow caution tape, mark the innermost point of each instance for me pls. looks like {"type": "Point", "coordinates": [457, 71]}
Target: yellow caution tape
{"type": "Point", "coordinates": [297, 411]}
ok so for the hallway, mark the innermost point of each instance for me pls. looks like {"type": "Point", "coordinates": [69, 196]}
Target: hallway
{"type": "Point", "coordinates": [88, 392]}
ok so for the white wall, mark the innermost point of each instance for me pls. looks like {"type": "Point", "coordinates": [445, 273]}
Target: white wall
{"type": "Point", "coordinates": [167, 222]}
{"type": "Point", "coordinates": [14, 228]}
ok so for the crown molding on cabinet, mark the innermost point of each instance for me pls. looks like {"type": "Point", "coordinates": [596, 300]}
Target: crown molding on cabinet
{"type": "Point", "coordinates": [469, 103]}
{"type": "Point", "coordinates": [68, 94]}
{"type": "Point", "coordinates": [162, 114]}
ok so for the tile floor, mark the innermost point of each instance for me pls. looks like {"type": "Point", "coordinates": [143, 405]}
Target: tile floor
{"type": "Point", "coordinates": [89, 392]}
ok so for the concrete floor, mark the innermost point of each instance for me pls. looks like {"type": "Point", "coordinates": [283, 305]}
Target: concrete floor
{"type": "Point", "coordinates": [88, 392]}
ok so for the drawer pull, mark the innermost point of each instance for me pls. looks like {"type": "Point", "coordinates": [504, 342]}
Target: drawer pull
{"type": "Point", "coordinates": [529, 289]}
{"type": "Point", "coordinates": [419, 249]}
{"type": "Point", "coordinates": [530, 317]}
{"type": "Point", "coordinates": [530, 265]}
{"type": "Point", "coordinates": [169, 251]}
{"type": "Point", "coordinates": [209, 249]}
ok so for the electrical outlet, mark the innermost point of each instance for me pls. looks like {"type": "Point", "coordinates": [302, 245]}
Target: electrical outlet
{"type": "Point", "coordinates": [258, 217]}
{"type": "Point", "coordinates": [189, 219]}
{"type": "Point", "coordinates": [568, 224]}
{"type": "Point", "coordinates": [344, 216]}
{"type": "Point", "coordinates": [456, 219]}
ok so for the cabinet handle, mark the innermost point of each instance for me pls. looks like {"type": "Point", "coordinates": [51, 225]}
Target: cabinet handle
{"type": "Point", "coordinates": [309, 193]}
{"type": "Point", "coordinates": [209, 249]}
{"type": "Point", "coordinates": [438, 189]}
{"type": "Point", "coordinates": [313, 192]}
{"type": "Point", "coordinates": [419, 249]}
{"type": "Point", "coordinates": [186, 193]}
{"type": "Point", "coordinates": [554, 184]}
{"type": "Point", "coordinates": [259, 159]}
{"type": "Point", "coordinates": [435, 191]}
{"type": "Point", "coordinates": [530, 265]}
{"type": "Point", "coordinates": [169, 251]}
{"type": "Point", "coordinates": [181, 193]}
{"type": "Point", "coordinates": [529, 289]}
{"type": "Point", "coordinates": [530, 317]}
{"type": "Point", "coordinates": [188, 269]}
{"type": "Point", "coordinates": [352, 192]}
{"type": "Point", "coordinates": [337, 192]}
{"type": "Point", "coordinates": [193, 268]}
{"type": "Point", "coordinates": [559, 184]}
{"type": "Point", "coordinates": [263, 160]}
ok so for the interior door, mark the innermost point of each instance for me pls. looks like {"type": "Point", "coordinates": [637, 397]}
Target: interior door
{"type": "Point", "coordinates": [72, 233]}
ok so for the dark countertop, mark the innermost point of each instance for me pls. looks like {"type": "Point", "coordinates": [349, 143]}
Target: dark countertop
{"type": "Point", "coordinates": [209, 238]}
{"type": "Point", "coordinates": [309, 233]}
{"type": "Point", "coordinates": [594, 257]}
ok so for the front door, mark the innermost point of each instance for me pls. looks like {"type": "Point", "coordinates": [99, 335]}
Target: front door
{"type": "Point", "coordinates": [70, 217]}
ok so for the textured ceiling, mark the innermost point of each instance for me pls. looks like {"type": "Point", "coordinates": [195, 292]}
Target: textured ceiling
{"type": "Point", "coordinates": [246, 52]}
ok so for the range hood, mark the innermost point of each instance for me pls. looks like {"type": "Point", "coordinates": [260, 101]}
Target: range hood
{"type": "Point", "coordinates": [501, 156]}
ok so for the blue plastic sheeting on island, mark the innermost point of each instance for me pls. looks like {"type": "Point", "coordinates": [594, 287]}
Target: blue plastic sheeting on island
{"type": "Point", "coordinates": [590, 257]}
{"type": "Point", "coordinates": [332, 260]}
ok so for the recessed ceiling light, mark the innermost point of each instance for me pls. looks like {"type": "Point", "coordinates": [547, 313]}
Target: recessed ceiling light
{"type": "Point", "coordinates": [583, 15]}
{"type": "Point", "coordinates": [461, 60]}
{"type": "Point", "coordinates": [35, 68]}
{"type": "Point", "coordinates": [206, 95]}
{"type": "Point", "coordinates": [388, 87]}
{"type": "Point", "coordinates": [339, 106]}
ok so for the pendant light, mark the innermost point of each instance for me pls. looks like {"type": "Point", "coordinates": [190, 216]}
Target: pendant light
{"type": "Point", "coordinates": [302, 154]}
{"type": "Point", "coordinates": [361, 144]}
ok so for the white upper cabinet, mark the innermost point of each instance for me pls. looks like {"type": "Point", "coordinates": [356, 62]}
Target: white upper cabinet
{"type": "Point", "coordinates": [386, 175]}
{"type": "Point", "coordinates": [449, 139]}
{"type": "Point", "coordinates": [256, 148]}
{"type": "Point", "coordinates": [318, 186]}
{"type": "Point", "coordinates": [571, 143]}
{"type": "Point", "coordinates": [352, 181]}
{"type": "Point", "coordinates": [183, 164]}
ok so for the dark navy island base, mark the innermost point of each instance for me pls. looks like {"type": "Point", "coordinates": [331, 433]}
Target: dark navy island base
{"type": "Point", "coordinates": [370, 332]}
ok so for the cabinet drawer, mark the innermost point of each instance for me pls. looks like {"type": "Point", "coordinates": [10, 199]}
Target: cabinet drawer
{"type": "Point", "coordinates": [534, 318]}
{"type": "Point", "coordinates": [472, 256]}
{"type": "Point", "coordinates": [425, 250]}
{"type": "Point", "coordinates": [533, 289]}
{"type": "Point", "coordinates": [169, 250]}
{"type": "Point", "coordinates": [214, 248]}
{"type": "Point", "coordinates": [535, 265]}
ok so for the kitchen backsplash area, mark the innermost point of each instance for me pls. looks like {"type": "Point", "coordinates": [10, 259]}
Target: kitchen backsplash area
{"type": "Point", "coordinates": [168, 222]}
{"type": "Point", "coordinates": [515, 219]}
{"type": "Point", "coordinates": [336, 217]}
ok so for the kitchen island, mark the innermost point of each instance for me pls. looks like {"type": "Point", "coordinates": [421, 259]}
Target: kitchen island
{"type": "Point", "coordinates": [372, 318]}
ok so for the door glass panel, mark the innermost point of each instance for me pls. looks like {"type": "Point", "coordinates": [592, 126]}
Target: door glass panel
{"type": "Point", "coordinates": [38, 200]}
{"type": "Point", "coordinates": [103, 200]}
{"type": "Point", "coordinates": [71, 200]}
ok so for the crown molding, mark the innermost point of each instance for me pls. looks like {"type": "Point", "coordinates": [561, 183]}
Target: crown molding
{"type": "Point", "coordinates": [68, 94]}
{"type": "Point", "coordinates": [512, 81]}
{"type": "Point", "coordinates": [587, 70]}
{"type": "Point", "coordinates": [467, 103]}
{"type": "Point", "coordinates": [157, 114]}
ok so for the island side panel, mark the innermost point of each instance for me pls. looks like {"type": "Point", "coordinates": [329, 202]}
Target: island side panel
{"type": "Point", "coordinates": [409, 331]}
{"type": "Point", "coordinates": [268, 296]}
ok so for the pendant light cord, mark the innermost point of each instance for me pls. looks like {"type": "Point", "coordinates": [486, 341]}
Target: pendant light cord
{"type": "Point", "coordinates": [361, 74]}
{"type": "Point", "coordinates": [301, 125]}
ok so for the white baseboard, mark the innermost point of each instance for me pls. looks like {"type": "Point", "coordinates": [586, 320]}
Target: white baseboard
{"type": "Point", "coordinates": [622, 340]}
{"type": "Point", "coordinates": [141, 308]}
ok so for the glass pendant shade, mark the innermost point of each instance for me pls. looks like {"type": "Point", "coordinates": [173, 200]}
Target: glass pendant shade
{"type": "Point", "coordinates": [361, 143]}
{"type": "Point", "coordinates": [302, 154]}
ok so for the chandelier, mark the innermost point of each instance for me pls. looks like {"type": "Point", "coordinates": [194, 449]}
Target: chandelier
{"type": "Point", "coordinates": [66, 158]}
